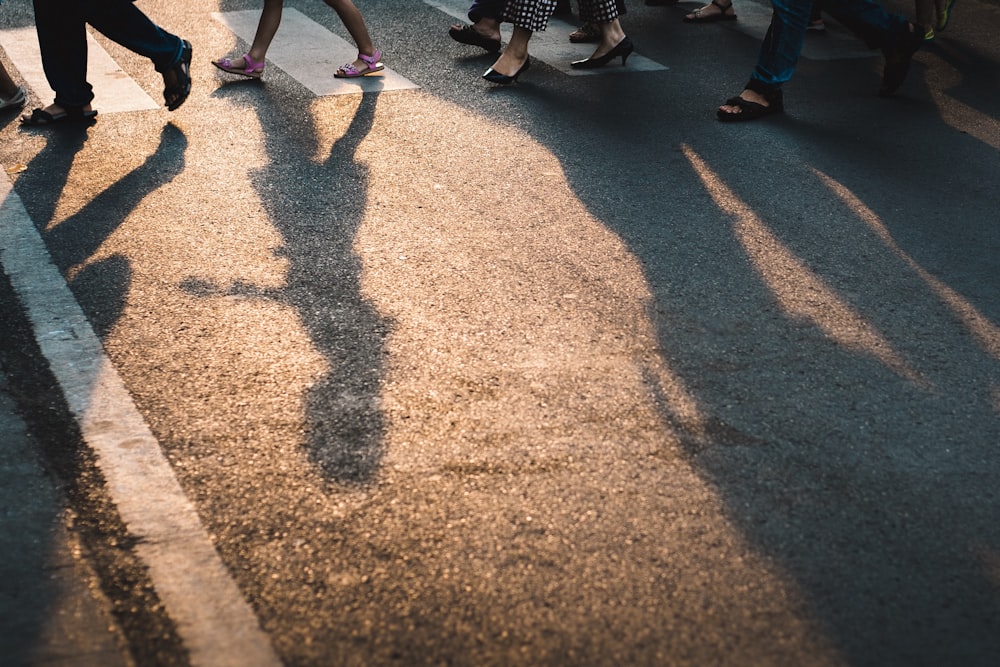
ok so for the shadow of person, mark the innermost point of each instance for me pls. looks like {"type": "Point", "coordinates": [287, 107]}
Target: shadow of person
{"type": "Point", "coordinates": [970, 77]}
{"type": "Point", "coordinates": [317, 207]}
{"type": "Point", "coordinates": [74, 241]}
{"type": "Point", "coordinates": [102, 289]}
{"type": "Point", "coordinates": [865, 472]}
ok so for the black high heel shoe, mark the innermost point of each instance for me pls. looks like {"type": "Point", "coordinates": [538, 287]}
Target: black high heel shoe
{"type": "Point", "coordinates": [494, 76]}
{"type": "Point", "coordinates": [623, 48]}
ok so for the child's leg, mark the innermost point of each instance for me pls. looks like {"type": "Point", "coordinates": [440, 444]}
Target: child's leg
{"type": "Point", "coordinates": [270, 18]}
{"type": "Point", "coordinates": [355, 25]}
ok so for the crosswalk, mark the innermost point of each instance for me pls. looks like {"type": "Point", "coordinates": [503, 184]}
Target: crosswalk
{"type": "Point", "coordinates": [552, 46]}
{"type": "Point", "coordinates": [310, 53]}
{"type": "Point", "coordinates": [114, 90]}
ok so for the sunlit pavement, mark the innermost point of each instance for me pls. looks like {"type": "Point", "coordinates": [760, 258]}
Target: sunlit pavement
{"type": "Point", "coordinates": [561, 373]}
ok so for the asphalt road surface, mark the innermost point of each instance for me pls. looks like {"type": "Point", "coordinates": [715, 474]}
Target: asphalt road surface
{"type": "Point", "coordinates": [422, 371]}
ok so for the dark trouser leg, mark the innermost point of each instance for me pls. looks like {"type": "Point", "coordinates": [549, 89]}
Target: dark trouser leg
{"type": "Point", "coordinates": [868, 20]}
{"type": "Point", "coordinates": [123, 22]}
{"type": "Point", "coordinates": [486, 9]}
{"type": "Point", "coordinates": [782, 45]}
{"type": "Point", "coordinates": [62, 38]}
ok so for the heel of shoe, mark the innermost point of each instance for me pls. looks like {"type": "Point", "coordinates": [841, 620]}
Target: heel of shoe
{"type": "Point", "coordinates": [625, 49]}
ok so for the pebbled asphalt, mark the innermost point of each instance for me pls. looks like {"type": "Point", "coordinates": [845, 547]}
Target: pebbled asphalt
{"type": "Point", "coordinates": [566, 373]}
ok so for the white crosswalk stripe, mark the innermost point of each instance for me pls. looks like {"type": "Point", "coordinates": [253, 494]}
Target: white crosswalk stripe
{"type": "Point", "coordinates": [311, 54]}
{"type": "Point", "coordinates": [552, 46]}
{"type": "Point", "coordinates": [114, 90]}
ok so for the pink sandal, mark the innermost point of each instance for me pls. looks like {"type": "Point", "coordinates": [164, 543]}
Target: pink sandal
{"type": "Point", "coordinates": [372, 64]}
{"type": "Point", "coordinates": [246, 68]}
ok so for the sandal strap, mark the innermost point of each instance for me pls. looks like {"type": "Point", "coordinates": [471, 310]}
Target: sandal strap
{"type": "Point", "coordinates": [252, 66]}
{"type": "Point", "coordinates": [371, 60]}
{"type": "Point", "coordinates": [724, 8]}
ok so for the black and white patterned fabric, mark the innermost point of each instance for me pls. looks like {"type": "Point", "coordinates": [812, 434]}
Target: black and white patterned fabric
{"type": "Point", "coordinates": [534, 15]}
{"type": "Point", "coordinates": [599, 11]}
{"type": "Point", "coordinates": [531, 15]}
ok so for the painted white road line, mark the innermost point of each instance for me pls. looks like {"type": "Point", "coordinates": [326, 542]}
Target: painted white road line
{"type": "Point", "coordinates": [114, 90]}
{"type": "Point", "coordinates": [552, 45]}
{"type": "Point", "coordinates": [310, 54]}
{"type": "Point", "coordinates": [213, 620]}
{"type": "Point", "coordinates": [837, 43]}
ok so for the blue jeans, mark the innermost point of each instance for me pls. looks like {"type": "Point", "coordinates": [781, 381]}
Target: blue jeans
{"type": "Point", "coordinates": [486, 9]}
{"type": "Point", "coordinates": [782, 45]}
{"type": "Point", "coordinates": [62, 38]}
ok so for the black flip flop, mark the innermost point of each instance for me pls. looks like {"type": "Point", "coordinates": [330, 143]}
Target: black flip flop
{"type": "Point", "coordinates": [749, 110]}
{"type": "Point", "coordinates": [467, 35]}
{"type": "Point", "coordinates": [40, 117]}
{"type": "Point", "coordinates": [696, 16]}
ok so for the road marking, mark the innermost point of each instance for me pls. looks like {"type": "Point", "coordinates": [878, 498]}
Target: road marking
{"type": "Point", "coordinates": [552, 45]}
{"type": "Point", "coordinates": [114, 90]}
{"type": "Point", "coordinates": [837, 43]}
{"type": "Point", "coordinates": [213, 620]}
{"type": "Point", "coordinates": [311, 54]}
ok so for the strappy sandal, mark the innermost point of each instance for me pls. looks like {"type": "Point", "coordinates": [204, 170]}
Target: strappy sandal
{"type": "Point", "coordinates": [16, 100]}
{"type": "Point", "coordinates": [177, 79]}
{"type": "Point", "coordinates": [752, 110]}
{"type": "Point", "coordinates": [244, 66]}
{"type": "Point", "coordinates": [697, 17]}
{"type": "Point", "coordinates": [372, 65]}
{"type": "Point", "coordinates": [585, 34]}
{"type": "Point", "coordinates": [41, 117]}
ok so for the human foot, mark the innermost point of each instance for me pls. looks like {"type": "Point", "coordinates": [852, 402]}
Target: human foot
{"type": "Point", "coordinates": [55, 113]}
{"type": "Point", "coordinates": [712, 12]}
{"type": "Point", "coordinates": [365, 63]}
{"type": "Point", "coordinates": [244, 66]}
{"type": "Point", "coordinates": [475, 35]}
{"type": "Point", "coordinates": [750, 105]}
{"type": "Point", "coordinates": [177, 79]}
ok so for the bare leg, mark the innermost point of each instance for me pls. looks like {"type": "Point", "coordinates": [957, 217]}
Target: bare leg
{"type": "Point", "coordinates": [267, 26]}
{"type": "Point", "coordinates": [611, 35]}
{"type": "Point", "coordinates": [270, 19]}
{"type": "Point", "coordinates": [516, 53]}
{"type": "Point", "coordinates": [355, 25]}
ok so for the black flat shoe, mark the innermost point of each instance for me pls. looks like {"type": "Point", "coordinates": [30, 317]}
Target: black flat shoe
{"type": "Point", "coordinates": [897, 58]}
{"type": "Point", "coordinates": [468, 35]}
{"type": "Point", "coordinates": [623, 48]}
{"type": "Point", "coordinates": [494, 76]}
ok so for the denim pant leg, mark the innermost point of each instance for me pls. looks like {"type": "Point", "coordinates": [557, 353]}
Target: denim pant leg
{"type": "Point", "coordinates": [868, 20]}
{"type": "Point", "coordinates": [486, 9]}
{"type": "Point", "coordinates": [121, 21]}
{"type": "Point", "coordinates": [782, 45]}
{"type": "Point", "coordinates": [62, 39]}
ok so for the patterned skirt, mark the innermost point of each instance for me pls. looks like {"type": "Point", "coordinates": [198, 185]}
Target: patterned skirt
{"type": "Point", "coordinates": [531, 15]}
{"type": "Point", "coordinates": [534, 15]}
